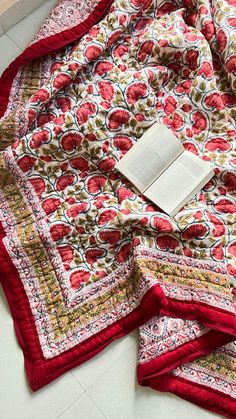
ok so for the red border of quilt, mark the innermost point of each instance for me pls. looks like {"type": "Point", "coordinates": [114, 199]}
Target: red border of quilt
{"type": "Point", "coordinates": [41, 371]}
{"type": "Point", "coordinates": [207, 398]}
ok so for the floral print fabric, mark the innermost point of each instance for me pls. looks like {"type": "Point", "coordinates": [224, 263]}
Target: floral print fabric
{"type": "Point", "coordinates": [87, 245]}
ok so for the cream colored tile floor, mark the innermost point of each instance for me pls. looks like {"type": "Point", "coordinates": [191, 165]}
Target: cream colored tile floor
{"type": "Point", "coordinates": [104, 387]}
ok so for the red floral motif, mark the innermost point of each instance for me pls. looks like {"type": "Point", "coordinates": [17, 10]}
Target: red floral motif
{"type": "Point", "coordinates": [136, 3]}
{"type": "Point", "coordinates": [206, 70]}
{"type": "Point", "coordinates": [177, 121]}
{"type": "Point", "coordinates": [200, 122]}
{"type": "Point", "coordinates": [123, 143]}
{"type": "Point", "coordinates": [161, 224]}
{"type": "Point", "coordinates": [50, 204]}
{"type": "Point", "coordinates": [92, 52]}
{"type": "Point", "coordinates": [113, 37]}
{"type": "Point", "coordinates": [98, 203]}
{"type": "Point", "coordinates": [123, 253]}
{"type": "Point", "coordinates": [187, 252]}
{"type": "Point", "coordinates": [61, 80]}
{"type": "Point", "coordinates": [107, 164]}
{"type": "Point", "coordinates": [184, 87]}
{"type": "Point", "coordinates": [231, 64]}
{"type": "Point", "coordinates": [219, 144]}
{"type": "Point", "coordinates": [77, 209]}
{"type": "Point", "coordinates": [225, 205]}
{"type": "Point", "coordinates": [170, 105]}
{"type": "Point", "coordinates": [195, 231]}
{"type": "Point", "coordinates": [106, 216]}
{"type": "Point", "coordinates": [191, 147]}
{"type": "Point", "coordinates": [110, 236]}
{"type": "Point", "coordinates": [78, 277]}
{"type": "Point", "coordinates": [106, 89]}
{"type": "Point", "coordinates": [38, 138]}
{"type": "Point", "coordinates": [55, 66]}
{"type": "Point", "coordinates": [79, 163]}
{"type": "Point", "coordinates": [92, 255]}
{"type": "Point", "coordinates": [64, 103]}
{"type": "Point", "coordinates": [231, 21]}
{"type": "Point", "coordinates": [85, 111]}
{"type": "Point", "coordinates": [135, 92]}
{"type": "Point", "coordinates": [232, 249]}
{"type": "Point", "coordinates": [213, 100]}
{"type": "Point", "coordinates": [66, 253]}
{"type": "Point", "coordinates": [231, 2]}
{"type": "Point", "coordinates": [124, 193]}
{"type": "Point", "coordinates": [71, 141]}
{"type": "Point", "coordinates": [26, 163]}
{"type": "Point", "coordinates": [117, 118]}
{"type": "Point", "coordinates": [166, 7]}
{"type": "Point", "coordinates": [146, 4]}
{"type": "Point", "coordinates": [228, 99]}
{"type": "Point", "coordinates": [103, 67]}
{"type": "Point", "coordinates": [231, 270]}
{"type": "Point", "coordinates": [142, 23]}
{"type": "Point", "coordinates": [208, 30]}
{"type": "Point", "coordinates": [96, 183]}
{"type": "Point", "coordinates": [219, 228]}
{"type": "Point", "coordinates": [31, 115]}
{"type": "Point", "coordinates": [217, 252]}
{"type": "Point", "coordinates": [94, 31]}
{"type": "Point", "coordinates": [44, 118]}
{"type": "Point", "coordinates": [42, 95]}
{"type": "Point", "coordinates": [191, 58]}
{"type": "Point", "coordinates": [38, 185]}
{"type": "Point", "coordinates": [64, 181]}
{"type": "Point", "coordinates": [167, 243]}
{"type": "Point", "coordinates": [221, 39]}
{"type": "Point", "coordinates": [230, 181]}
{"type": "Point", "coordinates": [58, 231]}
{"type": "Point", "coordinates": [145, 50]}
{"type": "Point", "coordinates": [151, 208]}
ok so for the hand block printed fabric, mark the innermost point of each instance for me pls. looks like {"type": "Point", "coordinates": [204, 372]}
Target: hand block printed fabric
{"type": "Point", "coordinates": [85, 258]}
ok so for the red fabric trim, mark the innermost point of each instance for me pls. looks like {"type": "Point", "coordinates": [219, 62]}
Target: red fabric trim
{"type": "Point", "coordinates": [208, 398]}
{"type": "Point", "coordinates": [45, 46]}
{"type": "Point", "coordinates": [207, 315]}
{"type": "Point", "coordinates": [163, 364]}
{"type": "Point", "coordinates": [41, 371]}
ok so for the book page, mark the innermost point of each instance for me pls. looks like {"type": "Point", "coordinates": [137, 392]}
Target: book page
{"type": "Point", "coordinates": [179, 183]}
{"type": "Point", "coordinates": [150, 156]}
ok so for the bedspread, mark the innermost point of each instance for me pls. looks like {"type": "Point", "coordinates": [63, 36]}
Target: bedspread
{"type": "Point", "coordinates": [85, 257]}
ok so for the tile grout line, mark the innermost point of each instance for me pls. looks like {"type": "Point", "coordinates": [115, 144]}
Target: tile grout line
{"type": "Point", "coordinates": [19, 21]}
{"type": "Point", "coordinates": [68, 407]}
{"type": "Point", "coordinates": [85, 389]}
{"type": "Point", "coordinates": [95, 403]}
{"type": "Point", "coordinates": [12, 40]}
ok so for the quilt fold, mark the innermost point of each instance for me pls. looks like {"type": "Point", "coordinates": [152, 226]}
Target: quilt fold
{"type": "Point", "coordinates": [85, 258]}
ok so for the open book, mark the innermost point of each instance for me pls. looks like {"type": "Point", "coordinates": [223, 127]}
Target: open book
{"type": "Point", "coordinates": [166, 173]}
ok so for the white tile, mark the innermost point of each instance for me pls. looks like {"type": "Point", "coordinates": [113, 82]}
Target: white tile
{"type": "Point", "coordinates": [24, 31]}
{"type": "Point", "coordinates": [8, 52]}
{"type": "Point", "coordinates": [16, 400]}
{"type": "Point", "coordinates": [18, 11]}
{"type": "Point", "coordinates": [83, 408]}
{"type": "Point", "coordinates": [119, 397]}
{"type": "Point", "coordinates": [91, 370]}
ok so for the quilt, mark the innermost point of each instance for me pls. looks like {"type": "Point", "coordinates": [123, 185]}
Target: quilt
{"type": "Point", "coordinates": [85, 258]}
